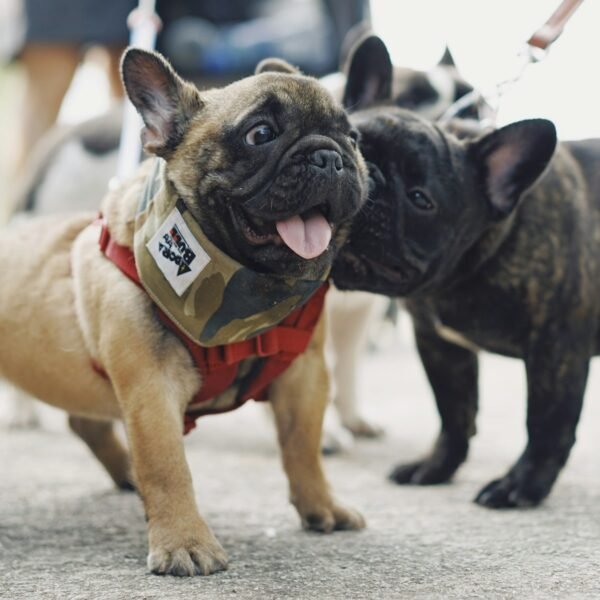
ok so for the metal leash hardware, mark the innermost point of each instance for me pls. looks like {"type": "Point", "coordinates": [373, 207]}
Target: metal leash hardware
{"type": "Point", "coordinates": [534, 50]}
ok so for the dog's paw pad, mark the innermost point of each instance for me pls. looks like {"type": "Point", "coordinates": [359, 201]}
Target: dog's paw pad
{"type": "Point", "coordinates": [207, 563]}
{"type": "Point", "coordinates": [337, 440]}
{"type": "Point", "coordinates": [334, 518]}
{"type": "Point", "coordinates": [420, 473]}
{"type": "Point", "coordinates": [507, 493]}
{"type": "Point", "coordinates": [362, 427]}
{"type": "Point", "coordinates": [193, 559]}
{"type": "Point", "coordinates": [348, 519]}
{"type": "Point", "coordinates": [322, 522]}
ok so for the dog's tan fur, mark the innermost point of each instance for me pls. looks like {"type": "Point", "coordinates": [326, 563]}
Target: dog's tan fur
{"type": "Point", "coordinates": [64, 306]}
{"type": "Point", "coordinates": [86, 309]}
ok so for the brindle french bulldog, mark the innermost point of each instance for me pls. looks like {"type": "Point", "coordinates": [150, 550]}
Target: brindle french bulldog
{"type": "Point", "coordinates": [493, 239]}
{"type": "Point", "coordinates": [268, 168]}
{"type": "Point", "coordinates": [372, 80]}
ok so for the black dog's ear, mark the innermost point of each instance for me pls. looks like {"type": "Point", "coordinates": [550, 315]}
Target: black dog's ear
{"type": "Point", "coordinates": [275, 65]}
{"type": "Point", "coordinates": [369, 74]}
{"type": "Point", "coordinates": [165, 102]}
{"type": "Point", "coordinates": [512, 159]}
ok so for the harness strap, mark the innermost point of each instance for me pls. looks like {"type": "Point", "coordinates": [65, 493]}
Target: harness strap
{"type": "Point", "coordinates": [278, 346]}
{"type": "Point", "coordinates": [280, 339]}
{"type": "Point", "coordinates": [120, 255]}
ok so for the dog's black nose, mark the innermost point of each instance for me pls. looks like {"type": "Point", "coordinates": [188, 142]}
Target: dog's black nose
{"type": "Point", "coordinates": [328, 160]}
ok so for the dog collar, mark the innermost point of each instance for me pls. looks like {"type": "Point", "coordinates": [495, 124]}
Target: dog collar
{"type": "Point", "coordinates": [211, 297]}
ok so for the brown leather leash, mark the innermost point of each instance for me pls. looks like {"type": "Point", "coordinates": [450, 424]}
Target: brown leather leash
{"type": "Point", "coordinates": [535, 50]}
{"type": "Point", "coordinates": [550, 31]}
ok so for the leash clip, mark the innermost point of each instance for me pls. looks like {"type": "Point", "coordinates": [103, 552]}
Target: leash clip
{"type": "Point", "coordinates": [491, 97]}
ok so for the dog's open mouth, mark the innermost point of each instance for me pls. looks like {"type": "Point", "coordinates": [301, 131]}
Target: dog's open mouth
{"type": "Point", "coordinates": [307, 234]}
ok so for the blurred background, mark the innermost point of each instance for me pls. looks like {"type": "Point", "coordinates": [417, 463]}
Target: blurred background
{"type": "Point", "coordinates": [59, 57]}
{"type": "Point", "coordinates": [485, 39]}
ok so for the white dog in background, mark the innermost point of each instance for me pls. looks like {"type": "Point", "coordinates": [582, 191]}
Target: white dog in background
{"type": "Point", "coordinates": [369, 78]}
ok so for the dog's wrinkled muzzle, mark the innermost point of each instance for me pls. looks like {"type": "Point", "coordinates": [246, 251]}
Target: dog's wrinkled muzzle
{"type": "Point", "coordinates": [312, 194]}
{"type": "Point", "coordinates": [313, 172]}
{"type": "Point", "coordinates": [327, 162]}
{"type": "Point", "coordinates": [377, 230]}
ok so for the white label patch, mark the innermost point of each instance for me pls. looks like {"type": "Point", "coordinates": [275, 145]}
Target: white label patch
{"type": "Point", "coordinates": [177, 252]}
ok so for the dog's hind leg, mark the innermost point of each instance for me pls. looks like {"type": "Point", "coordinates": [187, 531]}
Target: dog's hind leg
{"type": "Point", "coordinates": [102, 440]}
{"type": "Point", "coordinates": [452, 372]}
{"type": "Point", "coordinates": [299, 398]}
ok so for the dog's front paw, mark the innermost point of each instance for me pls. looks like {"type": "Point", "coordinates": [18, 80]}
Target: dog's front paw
{"type": "Point", "coordinates": [362, 427]}
{"type": "Point", "coordinates": [510, 492]}
{"type": "Point", "coordinates": [424, 472]}
{"type": "Point", "coordinates": [336, 440]}
{"type": "Point", "coordinates": [526, 484]}
{"type": "Point", "coordinates": [438, 467]}
{"type": "Point", "coordinates": [332, 517]}
{"type": "Point", "coordinates": [194, 553]}
{"type": "Point", "coordinates": [505, 493]}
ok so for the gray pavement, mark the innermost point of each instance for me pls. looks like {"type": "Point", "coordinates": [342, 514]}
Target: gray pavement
{"type": "Point", "coordinates": [65, 534]}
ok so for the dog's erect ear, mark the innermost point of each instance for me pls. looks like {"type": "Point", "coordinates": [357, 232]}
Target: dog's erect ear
{"type": "Point", "coordinates": [512, 158]}
{"type": "Point", "coordinates": [165, 102]}
{"type": "Point", "coordinates": [275, 65]}
{"type": "Point", "coordinates": [447, 58]}
{"type": "Point", "coordinates": [369, 74]}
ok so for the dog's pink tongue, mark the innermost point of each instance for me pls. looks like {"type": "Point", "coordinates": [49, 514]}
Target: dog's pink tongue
{"type": "Point", "coordinates": [307, 238]}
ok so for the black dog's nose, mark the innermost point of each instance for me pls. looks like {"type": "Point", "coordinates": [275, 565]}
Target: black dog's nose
{"type": "Point", "coordinates": [328, 160]}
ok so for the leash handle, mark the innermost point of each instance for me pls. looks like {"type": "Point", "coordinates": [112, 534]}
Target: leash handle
{"type": "Point", "coordinates": [550, 31]}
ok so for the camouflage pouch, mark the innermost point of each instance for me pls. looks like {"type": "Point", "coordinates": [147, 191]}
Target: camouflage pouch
{"type": "Point", "coordinates": [208, 295]}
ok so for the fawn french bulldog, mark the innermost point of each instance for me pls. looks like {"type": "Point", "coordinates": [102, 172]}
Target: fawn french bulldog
{"type": "Point", "coordinates": [227, 233]}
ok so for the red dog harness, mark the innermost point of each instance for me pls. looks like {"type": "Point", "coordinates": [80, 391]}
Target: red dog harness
{"type": "Point", "coordinates": [219, 365]}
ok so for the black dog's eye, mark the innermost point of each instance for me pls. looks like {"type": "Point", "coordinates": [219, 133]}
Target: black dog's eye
{"type": "Point", "coordinates": [354, 136]}
{"type": "Point", "coordinates": [420, 200]}
{"type": "Point", "coordinates": [260, 134]}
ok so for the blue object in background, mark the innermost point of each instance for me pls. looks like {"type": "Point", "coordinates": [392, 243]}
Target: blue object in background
{"type": "Point", "coordinates": [307, 33]}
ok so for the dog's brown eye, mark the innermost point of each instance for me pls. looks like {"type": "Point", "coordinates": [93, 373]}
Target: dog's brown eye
{"type": "Point", "coordinates": [420, 200]}
{"type": "Point", "coordinates": [260, 134]}
{"type": "Point", "coordinates": [353, 135]}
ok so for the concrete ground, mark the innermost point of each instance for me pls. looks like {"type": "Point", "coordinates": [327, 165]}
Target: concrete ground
{"type": "Point", "coordinates": [66, 534]}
